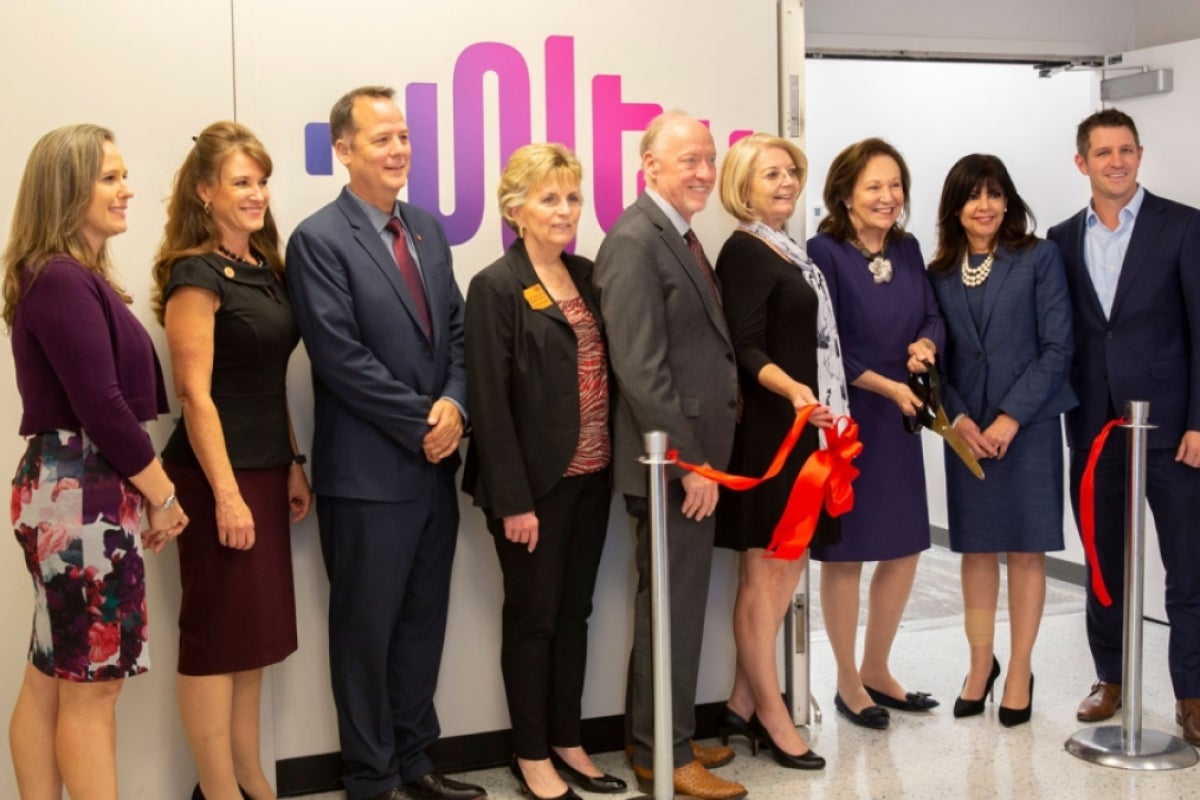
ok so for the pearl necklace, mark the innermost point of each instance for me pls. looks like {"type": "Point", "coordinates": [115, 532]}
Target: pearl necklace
{"type": "Point", "coordinates": [975, 276]}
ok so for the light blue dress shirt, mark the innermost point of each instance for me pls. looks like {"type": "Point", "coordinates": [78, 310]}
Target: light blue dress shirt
{"type": "Point", "coordinates": [1104, 249]}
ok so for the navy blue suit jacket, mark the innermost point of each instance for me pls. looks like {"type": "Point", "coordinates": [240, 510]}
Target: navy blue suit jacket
{"type": "Point", "coordinates": [1017, 360]}
{"type": "Point", "coordinates": [375, 372]}
{"type": "Point", "coordinates": [1149, 347]}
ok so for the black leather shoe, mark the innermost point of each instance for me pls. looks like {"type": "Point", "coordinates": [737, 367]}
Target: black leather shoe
{"type": "Point", "coordinates": [913, 701]}
{"type": "Point", "coordinates": [806, 760]}
{"type": "Point", "coordinates": [970, 708]}
{"type": "Point", "coordinates": [515, 769]}
{"type": "Point", "coordinates": [436, 786]}
{"type": "Point", "coordinates": [870, 717]}
{"type": "Point", "coordinates": [730, 724]}
{"type": "Point", "coordinates": [396, 793]}
{"type": "Point", "coordinates": [605, 784]}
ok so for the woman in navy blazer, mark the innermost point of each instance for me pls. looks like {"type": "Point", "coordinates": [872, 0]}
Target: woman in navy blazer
{"type": "Point", "coordinates": [538, 465]}
{"type": "Point", "coordinates": [1003, 293]}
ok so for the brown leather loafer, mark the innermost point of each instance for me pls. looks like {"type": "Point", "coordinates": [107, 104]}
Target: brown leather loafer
{"type": "Point", "coordinates": [1187, 714]}
{"type": "Point", "coordinates": [1101, 703]}
{"type": "Point", "coordinates": [717, 755]}
{"type": "Point", "coordinates": [693, 780]}
{"type": "Point", "coordinates": [710, 757]}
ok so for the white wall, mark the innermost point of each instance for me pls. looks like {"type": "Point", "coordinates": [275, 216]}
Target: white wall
{"type": "Point", "coordinates": [155, 73]}
{"type": "Point", "coordinates": [1014, 28]}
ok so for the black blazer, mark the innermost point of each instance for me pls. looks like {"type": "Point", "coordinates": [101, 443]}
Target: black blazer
{"type": "Point", "coordinates": [1149, 348]}
{"type": "Point", "coordinates": [522, 384]}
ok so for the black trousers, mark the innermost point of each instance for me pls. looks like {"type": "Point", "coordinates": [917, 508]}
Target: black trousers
{"type": "Point", "coordinates": [1173, 494]}
{"type": "Point", "coordinates": [547, 602]}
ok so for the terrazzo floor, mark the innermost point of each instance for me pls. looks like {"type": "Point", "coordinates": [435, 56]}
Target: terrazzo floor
{"type": "Point", "coordinates": [933, 755]}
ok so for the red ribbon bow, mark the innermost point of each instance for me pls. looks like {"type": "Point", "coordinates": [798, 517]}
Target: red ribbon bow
{"type": "Point", "coordinates": [1087, 511]}
{"type": "Point", "coordinates": [824, 480]}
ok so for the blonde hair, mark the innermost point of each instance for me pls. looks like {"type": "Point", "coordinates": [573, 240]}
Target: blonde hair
{"type": "Point", "coordinates": [190, 230]}
{"type": "Point", "coordinates": [527, 168]}
{"type": "Point", "coordinates": [58, 183]}
{"type": "Point", "coordinates": [737, 170]}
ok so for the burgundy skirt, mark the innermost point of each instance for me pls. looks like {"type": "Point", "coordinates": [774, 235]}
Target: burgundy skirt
{"type": "Point", "coordinates": [239, 606]}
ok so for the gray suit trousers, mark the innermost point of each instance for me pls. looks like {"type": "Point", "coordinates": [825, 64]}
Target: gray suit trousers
{"type": "Point", "coordinates": [690, 551]}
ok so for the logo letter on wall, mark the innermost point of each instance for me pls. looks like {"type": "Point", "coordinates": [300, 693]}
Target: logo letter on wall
{"type": "Point", "coordinates": [421, 100]}
{"type": "Point", "coordinates": [610, 119]}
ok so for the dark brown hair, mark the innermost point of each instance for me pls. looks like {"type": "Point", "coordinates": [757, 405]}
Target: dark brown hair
{"type": "Point", "coordinates": [978, 171]}
{"type": "Point", "coordinates": [341, 116]}
{"type": "Point", "coordinates": [1106, 118]}
{"type": "Point", "coordinates": [841, 179]}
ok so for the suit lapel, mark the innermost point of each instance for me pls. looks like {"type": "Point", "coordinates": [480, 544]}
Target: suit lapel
{"type": "Point", "coordinates": [522, 269]}
{"type": "Point", "coordinates": [1145, 233]}
{"type": "Point", "coordinates": [991, 289]}
{"type": "Point", "coordinates": [1076, 262]}
{"type": "Point", "coordinates": [957, 306]}
{"type": "Point", "coordinates": [687, 263]}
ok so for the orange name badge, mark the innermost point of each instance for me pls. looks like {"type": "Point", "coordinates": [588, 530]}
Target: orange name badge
{"type": "Point", "coordinates": [537, 298]}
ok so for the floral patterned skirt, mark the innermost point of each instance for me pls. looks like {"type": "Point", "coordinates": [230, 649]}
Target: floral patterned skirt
{"type": "Point", "coordinates": [79, 524]}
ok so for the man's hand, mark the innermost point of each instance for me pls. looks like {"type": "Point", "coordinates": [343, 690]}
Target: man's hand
{"type": "Point", "coordinates": [445, 429]}
{"type": "Point", "coordinates": [699, 496]}
{"type": "Point", "coordinates": [1189, 449]}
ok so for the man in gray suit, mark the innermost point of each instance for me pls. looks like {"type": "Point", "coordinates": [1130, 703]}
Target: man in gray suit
{"type": "Point", "coordinates": [673, 359]}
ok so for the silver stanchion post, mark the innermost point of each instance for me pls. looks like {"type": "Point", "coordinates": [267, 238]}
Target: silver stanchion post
{"type": "Point", "coordinates": [655, 443]}
{"type": "Point", "coordinates": [1128, 745]}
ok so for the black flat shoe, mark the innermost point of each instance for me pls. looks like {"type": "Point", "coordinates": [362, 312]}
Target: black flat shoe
{"type": "Point", "coordinates": [605, 784]}
{"type": "Point", "coordinates": [870, 717]}
{"type": "Point", "coordinates": [569, 794]}
{"type": "Point", "coordinates": [971, 708]}
{"type": "Point", "coordinates": [913, 701]}
{"type": "Point", "coordinates": [807, 760]}
{"type": "Point", "coordinates": [1010, 717]}
{"type": "Point", "coordinates": [730, 724]}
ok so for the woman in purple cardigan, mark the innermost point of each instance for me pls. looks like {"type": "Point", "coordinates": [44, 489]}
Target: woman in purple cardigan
{"type": "Point", "coordinates": [88, 379]}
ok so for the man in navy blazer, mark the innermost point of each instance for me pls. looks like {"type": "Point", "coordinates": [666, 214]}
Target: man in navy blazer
{"type": "Point", "coordinates": [375, 298]}
{"type": "Point", "coordinates": [1133, 265]}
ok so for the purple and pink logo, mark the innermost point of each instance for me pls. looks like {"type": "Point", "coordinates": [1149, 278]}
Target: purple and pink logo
{"type": "Point", "coordinates": [611, 117]}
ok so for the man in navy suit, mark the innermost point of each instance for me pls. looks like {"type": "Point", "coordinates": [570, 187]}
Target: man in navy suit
{"type": "Point", "coordinates": [374, 294]}
{"type": "Point", "coordinates": [1133, 265]}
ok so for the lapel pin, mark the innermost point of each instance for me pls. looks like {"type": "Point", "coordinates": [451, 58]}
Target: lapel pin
{"type": "Point", "coordinates": [229, 273]}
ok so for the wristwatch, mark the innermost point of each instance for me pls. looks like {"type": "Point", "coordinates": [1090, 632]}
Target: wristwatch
{"type": "Point", "coordinates": [300, 459]}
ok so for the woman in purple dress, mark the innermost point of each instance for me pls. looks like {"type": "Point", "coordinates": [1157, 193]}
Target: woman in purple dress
{"type": "Point", "coordinates": [88, 380]}
{"type": "Point", "coordinates": [890, 326]}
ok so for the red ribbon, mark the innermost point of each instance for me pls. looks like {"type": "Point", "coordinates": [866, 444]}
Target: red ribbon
{"type": "Point", "coordinates": [1087, 510]}
{"type": "Point", "coordinates": [824, 480]}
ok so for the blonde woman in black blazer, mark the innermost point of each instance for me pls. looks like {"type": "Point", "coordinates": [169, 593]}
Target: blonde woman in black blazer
{"type": "Point", "coordinates": [538, 465]}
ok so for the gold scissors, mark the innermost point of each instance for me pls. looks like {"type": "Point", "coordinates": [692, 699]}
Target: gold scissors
{"type": "Point", "coordinates": [927, 387]}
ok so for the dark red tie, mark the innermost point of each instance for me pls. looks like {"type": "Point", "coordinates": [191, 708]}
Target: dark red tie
{"type": "Point", "coordinates": [697, 251]}
{"type": "Point", "coordinates": [408, 271]}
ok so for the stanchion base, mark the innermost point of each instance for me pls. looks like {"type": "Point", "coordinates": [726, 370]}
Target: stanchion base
{"type": "Point", "coordinates": [1158, 750]}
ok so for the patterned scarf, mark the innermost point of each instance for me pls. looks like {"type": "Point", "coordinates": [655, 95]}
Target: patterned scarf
{"type": "Point", "coordinates": [831, 376]}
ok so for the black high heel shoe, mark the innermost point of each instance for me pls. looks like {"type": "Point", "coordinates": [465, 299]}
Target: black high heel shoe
{"type": "Point", "coordinates": [730, 724]}
{"type": "Point", "coordinates": [605, 784]}
{"type": "Point", "coordinates": [806, 760]}
{"type": "Point", "coordinates": [199, 795]}
{"type": "Point", "coordinates": [969, 708]}
{"type": "Point", "coordinates": [1010, 717]}
{"type": "Point", "coordinates": [569, 794]}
